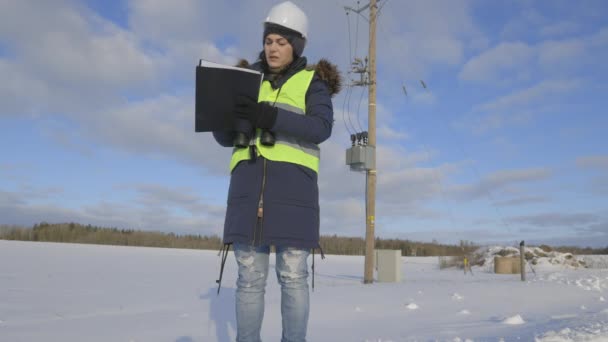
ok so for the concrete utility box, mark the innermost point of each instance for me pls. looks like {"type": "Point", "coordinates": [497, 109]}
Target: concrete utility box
{"type": "Point", "coordinates": [507, 265]}
{"type": "Point", "coordinates": [361, 158]}
{"type": "Point", "coordinates": [388, 263]}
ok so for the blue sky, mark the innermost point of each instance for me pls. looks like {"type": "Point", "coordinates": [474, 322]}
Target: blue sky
{"type": "Point", "coordinates": [506, 143]}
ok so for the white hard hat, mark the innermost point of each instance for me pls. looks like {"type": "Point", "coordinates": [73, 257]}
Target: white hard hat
{"type": "Point", "coordinates": [287, 14]}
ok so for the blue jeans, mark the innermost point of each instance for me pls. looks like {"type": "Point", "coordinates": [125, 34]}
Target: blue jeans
{"type": "Point", "coordinates": [292, 274]}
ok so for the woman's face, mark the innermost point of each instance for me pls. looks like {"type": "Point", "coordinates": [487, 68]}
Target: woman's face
{"type": "Point", "coordinates": [279, 52]}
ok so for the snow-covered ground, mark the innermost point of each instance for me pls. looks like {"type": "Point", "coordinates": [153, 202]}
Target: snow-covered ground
{"type": "Point", "coordinates": [68, 292]}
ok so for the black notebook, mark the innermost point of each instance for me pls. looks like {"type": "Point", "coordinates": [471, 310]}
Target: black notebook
{"type": "Point", "coordinates": [217, 87]}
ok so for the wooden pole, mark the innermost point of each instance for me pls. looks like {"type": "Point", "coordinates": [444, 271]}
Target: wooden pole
{"type": "Point", "coordinates": [522, 260]}
{"type": "Point", "coordinates": [370, 200]}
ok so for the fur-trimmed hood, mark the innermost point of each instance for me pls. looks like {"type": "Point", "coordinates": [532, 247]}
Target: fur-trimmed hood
{"type": "Point", "coordinates": [329, 73]}
{"type": "Point", "coordinates": [325, 70]}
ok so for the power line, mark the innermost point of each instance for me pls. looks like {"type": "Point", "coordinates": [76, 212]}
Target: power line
{"type": "Point", "coordinates": [345, 110]}
{"type": "Point", "coordinates": [357, 33]}
{"type": "Point", "coordinates": [350, 55]}
{"type": "Point", "coordinates": [381, 6]}
{"type": "Point", "coordinates": [347, 98]}
{"type": "Point", "coordinates": [359, 106]}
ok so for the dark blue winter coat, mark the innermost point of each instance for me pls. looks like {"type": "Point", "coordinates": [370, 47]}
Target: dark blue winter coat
{"type": "Point", "coordinates": [291, 195]}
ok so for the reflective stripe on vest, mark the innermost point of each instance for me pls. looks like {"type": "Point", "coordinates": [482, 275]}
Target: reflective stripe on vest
{"type": "Point", "coordinates": [292, 97]}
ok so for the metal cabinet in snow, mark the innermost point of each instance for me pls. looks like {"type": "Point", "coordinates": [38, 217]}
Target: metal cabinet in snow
{"type": "Point", "coordinates": [388, 264]}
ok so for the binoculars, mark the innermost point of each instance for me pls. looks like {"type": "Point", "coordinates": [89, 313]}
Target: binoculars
{"type": "Point", "coordinates": [242, 140]}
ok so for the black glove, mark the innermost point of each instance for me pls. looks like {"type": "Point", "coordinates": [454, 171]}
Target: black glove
{"type": "Point", "coordinates": [260, 114]}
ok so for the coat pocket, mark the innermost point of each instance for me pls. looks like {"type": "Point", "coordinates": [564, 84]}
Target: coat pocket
{"type": "Point", "coordinates": [292, 184]}
{"type": "Point", "coordinates": [291, 222]}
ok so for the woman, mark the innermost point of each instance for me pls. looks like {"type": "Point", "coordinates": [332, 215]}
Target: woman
{"type": "Point", "coordinates": [273, 197]}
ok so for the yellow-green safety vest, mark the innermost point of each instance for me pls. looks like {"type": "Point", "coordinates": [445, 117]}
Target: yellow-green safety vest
{"type": "Point", "coordinates": [291, 96]}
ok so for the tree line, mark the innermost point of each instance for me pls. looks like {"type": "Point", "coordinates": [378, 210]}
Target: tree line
{"type": "Point", "coordinates": [88, 234]}
{"type": "Point", "coordinates": [356, 246]}
{"type": "Point", "coordinates": [331, 244]}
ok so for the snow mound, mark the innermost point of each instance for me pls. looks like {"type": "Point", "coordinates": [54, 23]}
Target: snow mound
{"type": "Point", "coordinates": [513, 320]}
{"type": "Point", "coordinates": [484, 256]}
{"type": "Point", "coordinates": [594, 332]}
{"type": "Point", "coordinates": [412, 306]}
{"type": "Point", "coordinates": [594, 261]}
{"type": "Point", "coordinates": [464, 312]}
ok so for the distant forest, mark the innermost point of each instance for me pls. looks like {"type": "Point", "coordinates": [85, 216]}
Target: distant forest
{"type": "Point", "coordinates": [78, 233]}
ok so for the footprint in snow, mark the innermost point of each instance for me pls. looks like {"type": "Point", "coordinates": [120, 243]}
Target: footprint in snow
{"type": "Point", "coordinates": [412, 306]}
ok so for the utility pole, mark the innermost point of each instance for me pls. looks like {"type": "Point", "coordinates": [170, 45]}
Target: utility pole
{"type": "Point", "coordinates": [362, 154]}
{"type": "Point", "coordinates": [370, 200]}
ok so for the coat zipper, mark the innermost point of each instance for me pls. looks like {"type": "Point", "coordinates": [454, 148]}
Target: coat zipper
{"type": "Point", "coordinates": [260, 212]}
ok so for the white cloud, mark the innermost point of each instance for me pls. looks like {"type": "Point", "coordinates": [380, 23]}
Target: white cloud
{"type": "Point", "coordinates": [345, 216]}
{"type": "Point", "coordinates": [17, 84]}
{"type": "Point", "coordinates": [600, 39]}
{"type": "Point", "coordinates": [525, 97]}
{"type": "Point", "coordinates": [522, 200]}
{"type": "Point", "coordinates": [10, 198]}
{"type": "Point", "coordinates": [488, 186]}
{"type": "Point", "coordinates": [410, 185]}
{"type": "Point", "coordinates": [598, 184]}
{"type": "Point", "coordinates": [517, 108]}
{"type": "Point", "coordinates": [559, 28]}
{"type": "Point", "coordinates": [561, 54]}
{"type": "Point", "coordinates": [415, 36]}
{"type": "Point", "coordinates": [494, 63]}
{"type": "Point", "coordinates": [71, 45]}
{"type": "Point", "coordinates": [425, 97]}
{"type": "Point", "coordinates": [556, 219]}
{"type": "Point", "coordinates": [68, 59]}
{"type": "Point", "coordinates": [159, 20]}
{"type": "Point", "coordinates": [155, 196]}
{"type": "Point", "coordinates": [529, 20]}
{"type": "Point", "coordinates": [161, 126]}
{"type": "Point", "coordinates": [397, 158]}
{"type": "Point", "coordinates": [150, 212]}
{"type": "Point", "coordinates": [510, 62]}
{"type": "Point", "coordinates": [389, 133]}
{"type": "Point", "coordinates": [599, 162]}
